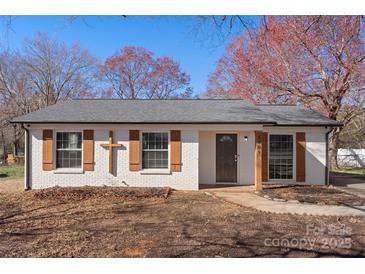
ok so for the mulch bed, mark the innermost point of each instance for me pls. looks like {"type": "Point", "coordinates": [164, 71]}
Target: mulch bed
{"type": "Point", "coordinates": [81, 193]}
{"type": "Point", "coordinates": [311, 194]}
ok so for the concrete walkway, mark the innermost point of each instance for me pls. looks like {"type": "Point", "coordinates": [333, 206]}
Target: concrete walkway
{"type": "Point", "coordinates": [260, 203]}
{"type": "Point", "coordinates": [352, 190]}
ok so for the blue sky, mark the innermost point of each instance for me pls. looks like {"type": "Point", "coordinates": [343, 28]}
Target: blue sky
{"type": "Point", "coordinates": [172, 36]}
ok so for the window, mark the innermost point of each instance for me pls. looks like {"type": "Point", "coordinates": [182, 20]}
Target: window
{"type": "Point", "coordinates": [68, 150]}
{"type": "Point", "coordinates": [281, 157]}
{"type": "Point", "coordinates": [226, 139]}
{"type": "Point", "coordinates": [155, 150]}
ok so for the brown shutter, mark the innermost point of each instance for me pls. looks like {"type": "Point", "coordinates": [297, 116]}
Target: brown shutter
{"type": "Point", "coordinates": [88, 149]}
{"type": "Point", "coordinates": [264, 158]}
{"type": "Point", "coordinates": [300, 156]}
{"type": "Point", "coordinates": [175, 150]}
{"type": "Point", "coordinates": [47, 149]}
{"type": "Point", "coordinates": [134, 150]}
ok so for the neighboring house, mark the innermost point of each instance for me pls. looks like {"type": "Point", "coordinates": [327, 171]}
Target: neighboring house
{"type": "Point", "coordinates": [177, 143]}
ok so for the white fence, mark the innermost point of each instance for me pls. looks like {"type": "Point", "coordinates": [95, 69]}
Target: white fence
{"type": "Point", "coordinates": [351, 157]}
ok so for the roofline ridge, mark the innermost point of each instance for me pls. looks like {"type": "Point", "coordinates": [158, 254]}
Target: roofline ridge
{"type": "Point", "coordinates": [277, 105]}
{"type": "Point", "coordinates": [155, 99]}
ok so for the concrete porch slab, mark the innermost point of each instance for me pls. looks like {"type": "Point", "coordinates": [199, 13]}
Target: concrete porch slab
{"type": "Point", "coordinates": [226, 188]}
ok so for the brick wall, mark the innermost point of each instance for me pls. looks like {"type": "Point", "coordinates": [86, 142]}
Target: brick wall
{"type": "Point", "coordinates": [186, 179]}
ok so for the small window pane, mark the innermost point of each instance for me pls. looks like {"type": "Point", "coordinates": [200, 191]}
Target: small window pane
{"type": "Point", "coordinates": [226, 139]}
{"type": "Point", "coordinates": [155, 150]}
{"type": "Point", "coordinates": [68, 159]}
{"type": "Point", "coordinates": [154, 159]}
{"type": "Point", "coordinates": [68, 149]}
{"type": "Point", "coordinates": [281, 157]}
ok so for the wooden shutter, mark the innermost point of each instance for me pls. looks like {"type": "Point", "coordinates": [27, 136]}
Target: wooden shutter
{"type": "Point", "coordinates": [300, 156]}
{"type": "Point", "coordinates": [47, 149]}
{"type": "Point", "coordinates": [264, 159]}
{"type": "Point", "coordinates": [88, 149]}
{"type": "Point", "coordinates": [134, 162]}
{"type": "Point", "coordinates": [175, 150]}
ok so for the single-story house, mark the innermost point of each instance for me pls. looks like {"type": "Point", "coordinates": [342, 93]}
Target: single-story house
{"type": "Point", "coordinates": [182, 144]}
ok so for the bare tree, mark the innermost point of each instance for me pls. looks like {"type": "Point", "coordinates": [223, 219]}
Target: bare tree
{"type": "Point", "coordinates": [15, 98]}
{"type": "Point", "coordinates": [57, 71]}
{"type": "Point", "coordinates": [44, 72]}
{"type": "Point", "coordinates": [353, 134]}
{"type": "Point", "coordinates": [216, 30]}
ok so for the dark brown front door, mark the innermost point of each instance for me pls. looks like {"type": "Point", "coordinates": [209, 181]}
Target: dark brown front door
{"type": "Point", "coordinates": [226, 158]}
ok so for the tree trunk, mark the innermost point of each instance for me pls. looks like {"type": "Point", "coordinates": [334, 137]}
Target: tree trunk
{"type": "Point", "coordinates": [15, 142]}
{"type": "Point", "coordinates": [333, 148]}
{"type": "Point", "coordinates": [3, 145]}
{"type": "Point", "coordinates": [333, 158]}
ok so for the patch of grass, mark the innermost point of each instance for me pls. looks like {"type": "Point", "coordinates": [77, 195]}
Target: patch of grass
{"type": "Point", "coordinates": [11, 172]}
{"type": "Point", "coordinates": [350, 170]}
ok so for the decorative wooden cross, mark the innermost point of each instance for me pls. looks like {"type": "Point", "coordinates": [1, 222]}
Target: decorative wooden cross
{"type": "Point", "coordinates": [110, 146]}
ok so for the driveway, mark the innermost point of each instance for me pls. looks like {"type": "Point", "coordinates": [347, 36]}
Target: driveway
{"type": "Point", "coordinates": [354, 184]}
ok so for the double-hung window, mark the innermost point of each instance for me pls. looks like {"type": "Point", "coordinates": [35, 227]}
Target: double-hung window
{"type": "Point", "coordinates": [69, 150]}
{"type": "Point", "coordinates": [281, 157]}
{"type": "Point", "coordinates": [155, 151]}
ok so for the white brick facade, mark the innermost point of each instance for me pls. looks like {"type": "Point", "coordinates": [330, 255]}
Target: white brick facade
{"type": "Point", "coordinates": [198, 156]}
{"type": "Point", "coordinates": [186, 179]}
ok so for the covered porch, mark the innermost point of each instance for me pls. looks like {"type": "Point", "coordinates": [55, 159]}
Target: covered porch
{"type": "Point", "coordinates": [231, 158]}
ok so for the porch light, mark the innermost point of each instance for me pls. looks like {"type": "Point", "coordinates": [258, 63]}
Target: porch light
{"type": "Point", "coordinates": [245, 138]}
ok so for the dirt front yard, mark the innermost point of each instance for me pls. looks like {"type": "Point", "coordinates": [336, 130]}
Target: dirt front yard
{"type": "Point", "coordinates": [312, 194]}
{"type": "Point", "coordinates": [185, 224]}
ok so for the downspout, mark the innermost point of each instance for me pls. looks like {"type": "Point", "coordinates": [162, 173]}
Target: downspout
{"type": "Point", "coordinates": [26, 161]}
{"type": "Point", "coordinates": [327, 160]}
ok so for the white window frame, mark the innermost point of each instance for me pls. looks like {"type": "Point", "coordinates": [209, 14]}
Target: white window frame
{"type": "Point", "coordinates": [68, 169]}
{"type": "Point", "coordinates": [157, 170]}
{"type": "Point", "coordinates": [294, 157]}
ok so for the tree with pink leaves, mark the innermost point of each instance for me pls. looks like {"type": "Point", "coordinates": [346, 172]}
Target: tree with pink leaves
{"type": "Point", "coordinates": [317, 61]}
{"type": "Point", "coordinates": [135, 73]}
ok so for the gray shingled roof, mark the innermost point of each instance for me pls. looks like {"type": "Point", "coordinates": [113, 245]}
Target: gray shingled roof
{"type": "Point", "coordinates": [173, 111]}
{"type": "Point", "coordinates": [296, 115]}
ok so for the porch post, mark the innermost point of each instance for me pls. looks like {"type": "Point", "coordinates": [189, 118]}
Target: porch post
{"type": "Point", "coordinates": [258, 160]}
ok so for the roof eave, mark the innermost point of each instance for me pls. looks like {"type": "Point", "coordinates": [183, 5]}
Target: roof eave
{"type": "Point", "coordinates": [310, 125]}
{"type": "Point", "coordinates": [270, 123]}
{"type": "Point", "coordinates": [166, 122]}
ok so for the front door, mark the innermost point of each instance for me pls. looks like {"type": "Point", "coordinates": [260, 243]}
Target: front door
{"type": "Point", "coordinates": [226, 158]}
